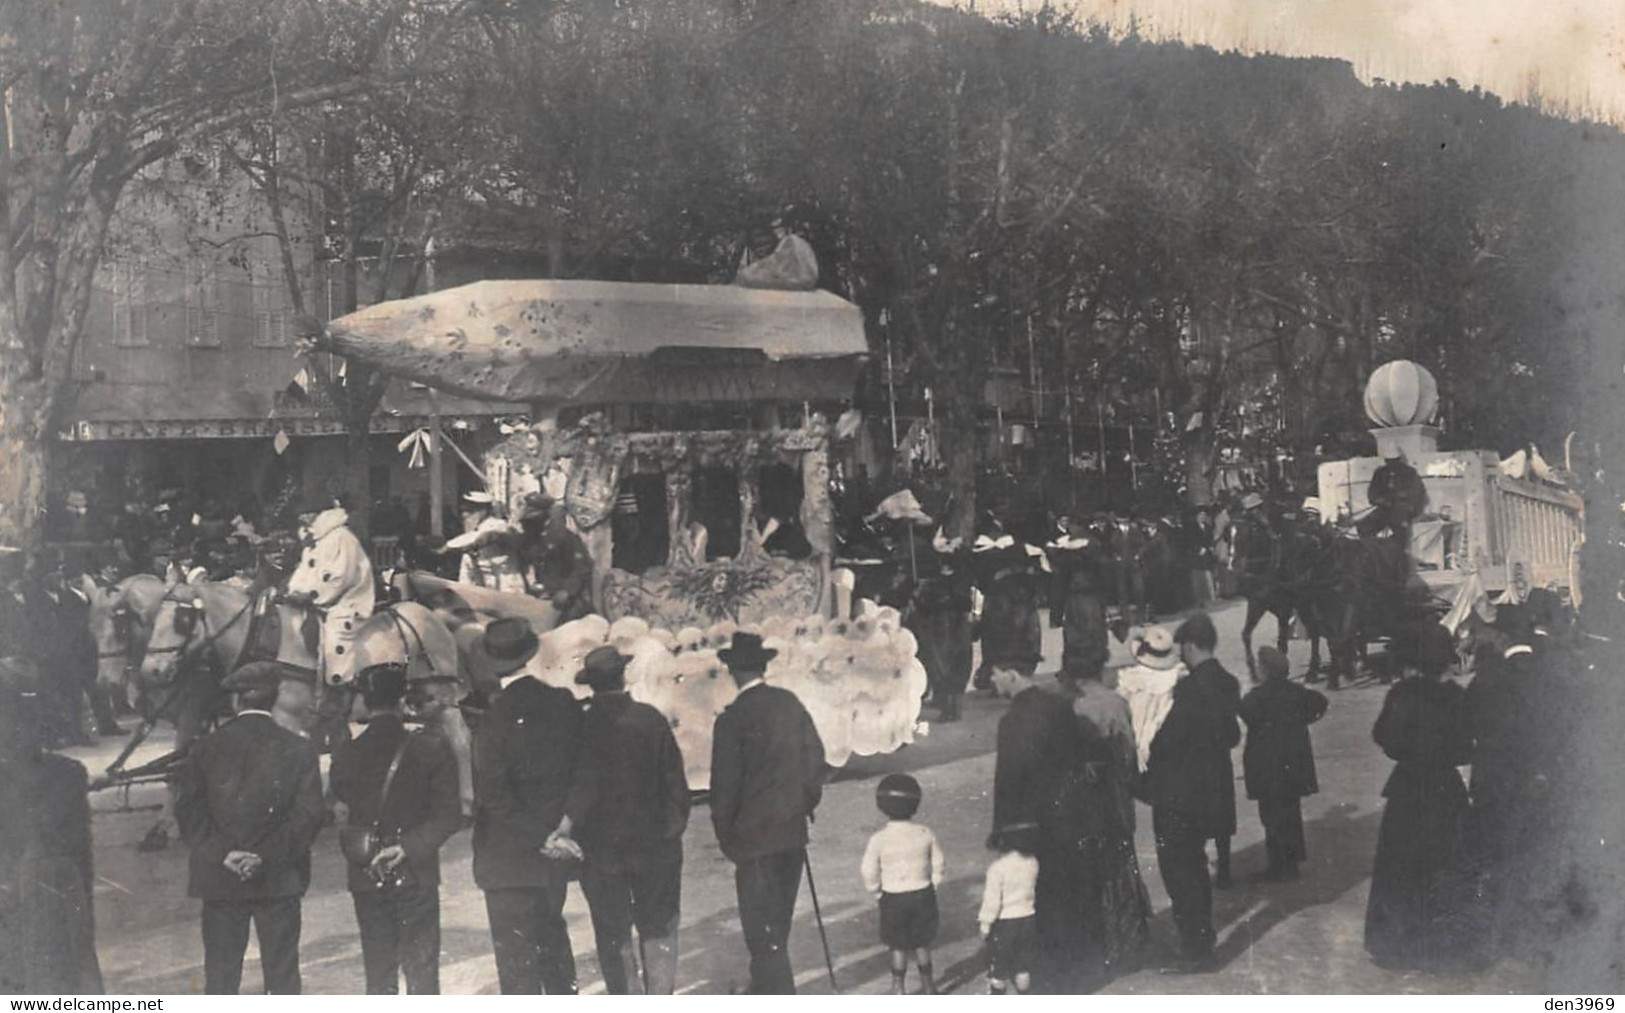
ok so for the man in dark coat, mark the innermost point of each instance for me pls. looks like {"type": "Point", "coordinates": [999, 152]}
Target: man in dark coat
{"type": "Point", "coordinates": [1279, 761]}
{"type": "Point", "coordinates": [47, 909]}
{"type": "Point", "coordinates": [249, 805]}
{"type": "Point", "coordinates": [1521, 714]}
{"type": "Point", "coordinates": [1397, 495]}
{"type": "Point", "coordinates": [1191, 784]}
{"type": "Point", "coordinates": [524, 759]}
{"type": "Point", "coordinates": [628, 806]}
{"type": "Point", "coordinates": [767, 777]}
{"type": "Point", "coordinates": [404, 785]}
{"type": "Point", "coordinates": [1501, 701]}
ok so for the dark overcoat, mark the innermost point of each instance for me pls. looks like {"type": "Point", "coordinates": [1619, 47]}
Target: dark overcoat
{"type": "Point", "coordinates": [47, 919]}
{"type": "Point", "coordinates": [524, 758]}
{"type": "Point", "coordinates": [1039, 744]}
{"type": "Point", "coordinates": [1190, 771]}
{"type": "Point", "coordinates": [629, 795]}
{"type": "Point", "coordinates": [767, 773]}
{"type": "Point", "coordinates": [422, 809]}
{"type": "Point", "coordinates": [252, 785]}
{"type": "Point", "coordinates": [1279, 761]}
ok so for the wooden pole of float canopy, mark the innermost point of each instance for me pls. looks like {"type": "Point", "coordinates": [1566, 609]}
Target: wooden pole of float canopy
{"type": "Point", "coordinates": [437, 492]}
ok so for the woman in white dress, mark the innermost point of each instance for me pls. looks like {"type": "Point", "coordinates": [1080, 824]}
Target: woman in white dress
{"type": "Point", "coordinates": [1148, 685]}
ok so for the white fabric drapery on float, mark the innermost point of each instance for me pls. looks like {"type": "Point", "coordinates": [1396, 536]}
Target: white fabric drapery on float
{"type": "Point", "coordinates": [596, 342]}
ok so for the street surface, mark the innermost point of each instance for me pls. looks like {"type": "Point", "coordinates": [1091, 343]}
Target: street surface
{"type": "Point", "coordinates": [1273, 938]}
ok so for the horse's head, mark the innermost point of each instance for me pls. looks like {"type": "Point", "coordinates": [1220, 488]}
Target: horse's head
{"type": "Point", "coordinates": [179, 627]}
{"type": "Point", "coordinates": [111, 627]}
{"type": "Point", "coordinates": [119, 617]}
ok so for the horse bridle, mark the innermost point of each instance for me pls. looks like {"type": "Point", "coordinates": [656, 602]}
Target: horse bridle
{"type": "Point", "coordinates": [196, 617]}
{"type": "Point", "coordinates": [404, 626]}
{"type": "Point", "coordinates": [123, 617]}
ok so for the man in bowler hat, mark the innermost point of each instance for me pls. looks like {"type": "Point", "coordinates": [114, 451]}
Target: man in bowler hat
{"type": "Point", "coordinates": [627, 808]}
{"type": "Point", "coordinates": [524, 758]}
{"type": "Point", "coordinates": [1191, 784]}
{"type": "Point", "coordinates": [249, 805]}
{"type": "Point", "coordinates": [403, 784]}
{"type": "Point", "coordinates": [767, 776]}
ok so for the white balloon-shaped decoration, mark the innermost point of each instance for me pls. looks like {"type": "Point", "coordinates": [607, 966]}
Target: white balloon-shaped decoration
{"type": "Point", "coordinates": [1401, 393]}
{"type": "Point", "coordinates": [859, 678]}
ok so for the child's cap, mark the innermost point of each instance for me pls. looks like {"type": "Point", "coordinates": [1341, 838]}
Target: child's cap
{"type": "Point", "coordinates": [898, 796]}
{"type": "Point", "coordinates": [1022, 837]}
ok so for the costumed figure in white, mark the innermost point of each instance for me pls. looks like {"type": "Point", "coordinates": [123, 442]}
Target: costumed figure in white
{"type": "Point", "coordinates": [488, 544]}
{"type": "Point", "coordinates": [334, 577]}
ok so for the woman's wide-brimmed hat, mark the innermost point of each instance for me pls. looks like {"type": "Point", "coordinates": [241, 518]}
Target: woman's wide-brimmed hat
{"type": "Point", "coordinates": [507, 644]}
{"type": "Point", "coordinates": [1155, 648]}
{"type": "Point", "coordinates": [746, 653]}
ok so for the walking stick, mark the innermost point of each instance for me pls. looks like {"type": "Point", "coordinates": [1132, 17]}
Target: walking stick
{"type": "Point", "coordinates": [818, 916]}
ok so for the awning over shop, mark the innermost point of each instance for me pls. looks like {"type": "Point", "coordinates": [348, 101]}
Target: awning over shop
{"type": "Point", "coordinates": [113, 411]}
{"type": "Point", "coordinates": [596, 342]}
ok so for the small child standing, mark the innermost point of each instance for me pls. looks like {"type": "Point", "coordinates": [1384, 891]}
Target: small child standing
{"type": "Point", "coordinates": [1279, 761]}
{"type": "Point", "coordinates": [902, 867]}
{"type": "Point", "coordinates": [1006, 918]}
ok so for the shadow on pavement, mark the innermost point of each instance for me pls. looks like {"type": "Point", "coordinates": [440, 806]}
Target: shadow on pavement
{"type": "Point", "coordinates": [1341, 847]}
{"type": "Point", "coordinates": [852, 928]}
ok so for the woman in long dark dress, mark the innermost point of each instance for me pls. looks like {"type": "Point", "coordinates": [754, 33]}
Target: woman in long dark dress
{"type": "Point", "coordinates": [1418, 916]}
{"type": "Point", "coordinates": [1011, 634]}
{"type": "Point", "coordinates": [940, 619]}
{"type": "Point", "coordinates": [1115, 906]}
{"type": "Point", "coordinates": [1078, 601]}
{"type": "Point", "coordinates": [1064, 762]}
{"type": "Point", "coordinates": [47, 924]}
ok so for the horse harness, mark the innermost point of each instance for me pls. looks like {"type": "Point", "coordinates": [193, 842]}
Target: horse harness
{"type": "Point", "coordinates": [402, 627]}
{"type": "Point", "coordinates": [189, 618]}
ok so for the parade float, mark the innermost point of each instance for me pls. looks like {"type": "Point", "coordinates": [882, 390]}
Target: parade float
{"type": "Point", "coordinates": [676, 426]}
{"type": "Point", "coordinates": [1509, 524]}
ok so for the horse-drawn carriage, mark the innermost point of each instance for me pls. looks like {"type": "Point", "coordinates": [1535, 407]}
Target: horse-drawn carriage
{"type": "Point", "coordinates": [676, 471]}
{"type": "Point", "coordinates": [1476, 524]}
{"type": "Point", "coordinates": [1481, 516]}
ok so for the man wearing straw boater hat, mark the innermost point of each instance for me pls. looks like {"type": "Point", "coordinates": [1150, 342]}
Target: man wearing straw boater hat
{"type": "Point", "coordinates": [524, 758]}
{"type": "Point", "coordinates": [767, 777]}
{"type": "Point", "coordinates": [628, 807]}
